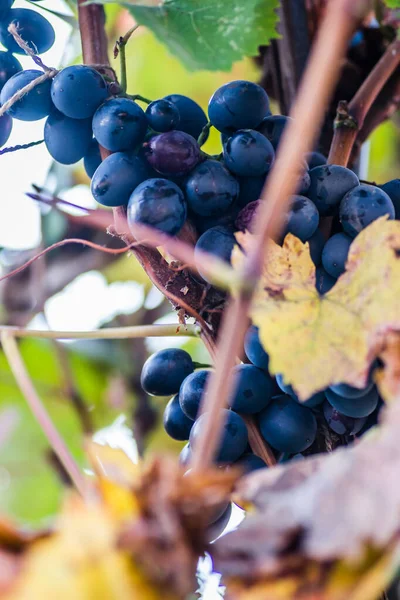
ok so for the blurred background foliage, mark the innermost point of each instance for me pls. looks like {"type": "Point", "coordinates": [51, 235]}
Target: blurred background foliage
{"type": "Point", "coordinates": [103, 376]}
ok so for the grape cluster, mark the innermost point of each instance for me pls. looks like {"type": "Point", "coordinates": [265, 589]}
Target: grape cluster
{"type": "Point", "coordinates": [289, 426]}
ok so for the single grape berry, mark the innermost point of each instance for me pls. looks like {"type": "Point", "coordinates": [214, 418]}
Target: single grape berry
{"type": "Point", "coordinates": [176, 423]}
{"type": "Point", "coordinates": [157, 203]}
{"type": "Point", "coordinates": [361, 206]}
{"type": "Point", "coordinates": [249, 462]}
{"type": "Point", "coordinates": [34, 105]}
{"type": "Point", "coordinates": [116, 177]}
{"type": "Point", "coordinates": [349, 392]}
{"type": "Point", "coordinates": [233, 441]}
{"type": "Point", "coordinates": [341, 424]}
{"type": "Point", "coordinates": [192, 117]}
{"type": "Point", "coordinates": [287, 426]}
{"type": "Point", "coordinates": [391, 188]}
{"type": "Point", "coordinates": [9, 66]}
{"type": "Point", "coordinates": [354, 407]}
{"type": "Point", "coordinates": [302, 219]}
{"type": "Point", "coordinates": [248, 153]}
{"type": "Point", "coordinates": [272, 127]}
{"type": "Point", "coordinates": [218, 241]}
{"type": "Point", "coordinates": [6, 123]}
{"type": "Point", "coordinates": [119, 124]}
{"type": "Point", "coordinates": [164, 371]}
{"type": "Point", "coordinates": [316, 243]}
{"type": "Point", "coordinates": [173, 153]}
{"type": "Point", "coordinates": [238, 105]}
{"type": "Point", "coordinates": [78, 91]}
{"type": "Point", "coordinates": [315, 159]}
{"type": "Point", "coordinates": [210, 189]}
{"type": "Point", "coordinates": [34, 29]}
{"type": "Point", "coordinates": [285, 387]}
{"type": "Point", "coordinates": [335, 252]}
{"type": "Point", "coordinates": [218, 527]}
{"type": "Point", "coordinates": [163, 115]}
{"type": "Point", "coordinates": [253, 389]}
{"type": "Point", "coordinates": [226, 219]}
{"type": "Point", "coordinates": [192, 391]}
{"type": "Point", "coordinates": [323, 281]}
{"type": "Point", "coordinates": [92, 158]}
{"type": "Point", "coordinates": [67, 140]}
{"type": "Point", "coordinates": [329, 184]}
{"type": "Point", "coordinates": [250, 189]}
{"type": "Point", "coordinates": [254, 349]}
{"type": "Point", "coordinates": [247, 217]}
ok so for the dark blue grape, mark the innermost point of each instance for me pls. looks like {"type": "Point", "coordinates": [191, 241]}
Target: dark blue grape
{"type": "Point", "coordinates": [329, 184]}
{"type": "Point", "coordinates": [119, 124]}
{"type": "Point", "coordinates": [312, 402]}
{"type": "Point", "coordinates": [392, 189]}
{"type": "Point", "coordinates": [157, 203]}
{"type": "Point", "coordinates": [302, 219]}
{"type": "Point", "coordinates": [162, 115]}
{"type": "Point", "coordinates": [185, 455]}
{"type": "Point", "coordinates": [253, 389]}
{"type": "Point", "coordinates": [218, 241]}
{"type": "Point", "coordinates": [226, 219]}
{"type": "Point", "coordinates": [287, 426]}
{"type": "Point", "coordinates": [67, 140]}
{"type": "Point", "coordinates": [9, 66]}
{"type": "Point", "coordinates": [357, 39]}
{"type": "Point", "coordinates": [316, 243]}
{"type": "Point", "coordinates": [341, 424]}
{"type": "Point", "coordinates": [303, 184]}
{"type": "Point", "coordinates": [254, 349]}
{"type": "Point", "coordinates": [285, 387]}
{"type": "Point", "coordinates": [32, 27]}
{"type": "Point", "coordinates": [5, 6]}
{"type": "Point", "coordinates": [248, 153]}
{"type": "Point", "coordinates": [361, 206]}
{"type": "Point", "coordinates": [238, 105]}
{"type": "Point", "coordinates": [210, 189]}
{"type": "Point", "coordinates": [164, 371]}
{"type": "Point", "coordinates": [250, 189]}
{"type": "Point", "coordinates": [323, 281]}
{"type": "Point", "coordinates": [5, 128]}
{"type": "Point", "coordinates": [33, 106]}
{"type": "Point", "coordinates": [315, 159]}
{"type": "Point", "coordinates": [272, 127]}
{"type": "Point", "coordinates": [116, 178]}
{"type": "Point", "coordinates": [92, 158]}
{"type": "Point", "coordinates": [218, 527]}
{"type": "Point", "coordinates": [192, 392]}
{"type": "Point", "coordinates": [335, 252]}
{"type": "Point", "coordinates": [250, 462]}
{"type": "Point", "coordinates": [78, 91]}
{"type": "Point", "coordinates": [192, 117]}
{"type": "Point", "coordinates": [348, 391]}
{"type": "Point", "coordinates": [173, 153]}
{"type": "Point", "coordinates": [354, 407]}
{"type": "Point", "coordinates": [233, 441]}
{"type": "Point", "coordinates": [176, 424]}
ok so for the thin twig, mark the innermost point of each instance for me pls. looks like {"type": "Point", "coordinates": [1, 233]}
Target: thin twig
{"type": "Point", "coordinates": [308, 111]}
{"type": "Point", "coordinates": [108, 333]}
{"type": "Point", "coordinates": [26, 386]}
{"type": "Point", "coordinates": [119, 50]}
{"type": "Point", "coordinates": [20, 147]}
{"type": "Point", "coordinates": [350, 118]}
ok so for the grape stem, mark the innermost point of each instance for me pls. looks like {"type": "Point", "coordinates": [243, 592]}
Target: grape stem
{"type": "Point", "coordinates": [308, 112]}
{"type": "Point", "coordinates": [350, 117]}
{"type": "Point", "coordinates": [108, 333]}
{"type": "Point", "coordinates": [119, 49]}
{"type": "Point", "coordinates": [26, 386]}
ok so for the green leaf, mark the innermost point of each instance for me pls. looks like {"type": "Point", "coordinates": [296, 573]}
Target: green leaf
{"type": "Point", "coordinates": [392, 3]}
{"type": "Point", "coordinates": [210, 34]}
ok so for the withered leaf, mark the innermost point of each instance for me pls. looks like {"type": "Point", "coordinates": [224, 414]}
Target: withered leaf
{"type": "Point", "coordinates": [327, 519]}
{"type": "Point", "coordinates": [316, 341]}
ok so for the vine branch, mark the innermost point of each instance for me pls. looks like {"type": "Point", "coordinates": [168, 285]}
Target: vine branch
{"type": "Point", "coordinates": [350, 117]}
{"type": "Point", "coordinates": [26, 386]}
{"type": "Point", "coordinates": [308, 111]}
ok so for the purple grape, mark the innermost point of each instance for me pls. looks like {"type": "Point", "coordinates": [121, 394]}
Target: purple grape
{"type": "Point", "coordinates": [173, 153]}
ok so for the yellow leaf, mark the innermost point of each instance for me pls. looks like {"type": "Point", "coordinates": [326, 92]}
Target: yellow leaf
{"type": "Point", "coordinates": [315, 341]}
